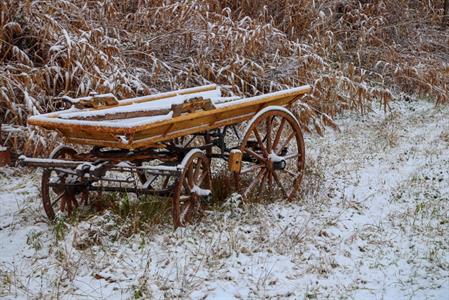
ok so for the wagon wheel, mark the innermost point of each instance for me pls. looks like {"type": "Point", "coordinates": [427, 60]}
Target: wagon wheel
{"type": "Point", "coordinates": [273, 155]}
{"type": "Point", "coordinates": [56, 197]}
{"type": "Point", "coordinates": [193, 187]}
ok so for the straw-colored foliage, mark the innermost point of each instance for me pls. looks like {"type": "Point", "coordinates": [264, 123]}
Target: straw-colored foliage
{"type": "Point", "coordinates": [353, 52]}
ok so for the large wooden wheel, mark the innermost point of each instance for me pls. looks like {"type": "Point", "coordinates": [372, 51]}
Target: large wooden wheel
{"type": "Point", "coordinates": [61, 192]}
{"type": "Point", "coordinates": [273, 155]}
{"type": "Point", "coordinates": [193, 186]}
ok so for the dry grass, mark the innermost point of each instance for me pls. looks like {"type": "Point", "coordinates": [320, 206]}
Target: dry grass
{"type": "Point", "coordinates": [353, 52]}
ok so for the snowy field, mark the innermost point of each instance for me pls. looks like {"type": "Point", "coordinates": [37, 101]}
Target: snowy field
{"type": "Point", "coordinates": [372, 223]}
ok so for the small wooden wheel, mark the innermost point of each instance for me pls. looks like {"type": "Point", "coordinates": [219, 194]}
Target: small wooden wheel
{"type": "Point", "coordinates": [62, 192]}
{"type": "Point", "coordinates": [273, 155]}
{"type": "Point", "coordinates": [193, 186]}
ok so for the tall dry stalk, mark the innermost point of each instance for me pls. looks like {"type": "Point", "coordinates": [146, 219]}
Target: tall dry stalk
{"type": "Point", "coordinates": [445, 21]}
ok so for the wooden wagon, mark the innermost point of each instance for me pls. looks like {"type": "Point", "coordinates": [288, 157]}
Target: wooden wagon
{"type": "Point", "coordinates": [164, 143]}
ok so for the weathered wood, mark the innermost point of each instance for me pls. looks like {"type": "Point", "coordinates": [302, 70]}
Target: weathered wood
{"type": "Point", "coordinates": [235, 161]}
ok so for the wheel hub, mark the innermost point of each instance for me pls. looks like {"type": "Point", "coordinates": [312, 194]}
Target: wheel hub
{"type": "Point", "coordinates": [277, 162]}
{"type": "Point", "coordinates": [279, 165]}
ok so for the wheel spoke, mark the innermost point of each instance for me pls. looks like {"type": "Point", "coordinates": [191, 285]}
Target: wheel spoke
{"type": "Point", "coordinates": [184, 198]}
{"type": "Point", "coordinates": [290, 173]}
{"type": "Point", "coordinates": [75, 202]}
{"type": "Point", "coordinates": [202, 177]}
{"type": "Point", "coordinates": [287, 141]}
{"type": "Point", "coordinates": [63, 202]}
{"type": "Point", "coordinates": [268, 123]}
{"type": "Point", "coordinates": [57, 199]}
{"type": "Point", "coordinates": [278, 134]}
{"type": "Point", "coordinates": [255, 155]}
{"type": "Point", "coordinates": [236, 132]}
{"type": "Point", "coordinates": [290, 156]}
{"type": "Point", "coordinates": [189, 175]}
{"type": "Point", "coordinates": [270, 180]}
{"type": "Point", "coordinates": [252, 168]}
{"type": "Point", "coordinates": [186, 186]}
{"type": "Point", "coordinates": [184, 212]}
{"type": "Point", "coordinates": [276, 178]}
{"type": "Point", "coordinates": [259, 140]}
{"type": "Point", "coordinates": [84, 198]}
{"type": "Point", "coordinates": [262, 182]}
{"type": "Point", "coordinates": [69, 204]}
{"type": "Point", "coordinates": [253, 183]}
{"type": "Point", "coordinates": [198, 167]}
{"type": "Point", "coordinates": [164, 185]}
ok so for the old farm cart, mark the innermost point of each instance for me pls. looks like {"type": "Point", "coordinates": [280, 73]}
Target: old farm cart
{"type": "Point", "coordinates": [163, 145]}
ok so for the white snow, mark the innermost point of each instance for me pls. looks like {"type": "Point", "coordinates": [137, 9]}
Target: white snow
{"type": "Point", "coordinates": [200, 191]}
{"type": "Point", "coordinates": [372, 223]}
{"type": "Point", "coordinates": [187, 157]}
{"type": "Point", "coordinates": [286, 92]}
{"type": "Point", "coordinates": [167, 94]}
{"type": "Point", "coordinates": [275, 158]}
{"type": "Point", "coordinates": [119, 123]}
{"type": "Point", "coordinates": [123, 139]}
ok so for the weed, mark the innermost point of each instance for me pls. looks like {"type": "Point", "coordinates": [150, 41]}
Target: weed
{"type": "Point", "coordinates": [222, 187]}
{"type": "Point", "coordinates": [124, 206]}
{"type": "Point", "coordinates": [34, 240]}
{"type": "Point", "coordinates": [60, 228]}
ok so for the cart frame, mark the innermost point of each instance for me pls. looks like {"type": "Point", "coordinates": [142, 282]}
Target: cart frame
{"type": "Point", "coordinates": [171, 158]}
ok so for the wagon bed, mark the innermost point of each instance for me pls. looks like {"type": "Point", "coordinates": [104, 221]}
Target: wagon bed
{"type": "Point", "coordinates": [121, 126]}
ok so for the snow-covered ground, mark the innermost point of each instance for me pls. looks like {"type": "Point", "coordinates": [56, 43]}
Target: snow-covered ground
{"type": "Point", "coordinates": [372, 223]}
